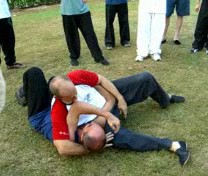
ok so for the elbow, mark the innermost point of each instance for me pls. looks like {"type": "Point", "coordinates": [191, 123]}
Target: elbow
{"type": "Point", "coordinates": [61, 151]}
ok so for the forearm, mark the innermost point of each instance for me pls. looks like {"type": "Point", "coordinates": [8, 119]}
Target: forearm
{"type": "Point", "coordinates": [66, 147]}
{"type": "Point", "coordinates": [109, 86]}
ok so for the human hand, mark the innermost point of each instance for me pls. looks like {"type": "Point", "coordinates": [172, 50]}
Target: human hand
{"type": "Point", "coordinates": [109, 137]}
{"type": "Point", "coordinates": [113, 122]}
{"type": "Point", "coordinates": [122, 106]}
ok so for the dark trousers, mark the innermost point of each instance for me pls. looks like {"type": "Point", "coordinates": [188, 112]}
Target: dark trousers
{"type": "Point", "coordinates": [110, 13]}
{"type": "Point", "coordinates": [83, 22]}
{"type": "Point", "coordinates": [135, 89]}
{"type": "Point", "coordinates": [36, 91]}
{"type": "Point", "coordinates": [201, 31]}
{"type": "Point", "coordinates": [7, 40]}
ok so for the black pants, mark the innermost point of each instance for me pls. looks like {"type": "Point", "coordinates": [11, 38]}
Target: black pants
{"type": "Point", "coordinates": [36, 90]}
{"type": "Point", "coordinates": [135, 89]}
{"type": "Point", "coordinates": [71, 24]}
{"type": "Point", "coordinates": [7, 40]}
{"type": "Point", "coordinates": [201, 31]}
{"type": "Point", "coordinates": [122, 11]}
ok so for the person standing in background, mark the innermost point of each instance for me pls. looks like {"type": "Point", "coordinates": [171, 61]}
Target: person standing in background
{"type": "Point", "coordinates": [201, 30]}
{"type": "Point", "coordinates": [7, 37]}
{"type": "Point", "coordinates": [119, 7]}
{"type": "Point", "coordinates": [182, 9]}
{"type": "Point", "coordinates": [151, 24]}
{"type": "Point", "coordinates": [76, 15]}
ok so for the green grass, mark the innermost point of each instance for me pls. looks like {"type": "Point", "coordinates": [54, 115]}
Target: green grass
{"type": "Point", "coordinates": [40, 42]}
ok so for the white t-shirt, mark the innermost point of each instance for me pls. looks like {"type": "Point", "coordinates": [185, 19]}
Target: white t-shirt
{"type": "Point", "coordinates": [88, 95]}
{"type": "Point", "coordinates": [4, 9]}
{"type": "Point", "coordinates": [2, 91]}
{"type": "Point", "coordinates": [152, 6]}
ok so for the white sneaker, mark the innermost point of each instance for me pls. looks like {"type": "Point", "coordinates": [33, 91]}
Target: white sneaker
{"type": "Point", "coordinates": [139, 58]}
{"type": "Point", "coordinates": [155, 57]}
{"type": "Point", "coordinates": [206, 51]}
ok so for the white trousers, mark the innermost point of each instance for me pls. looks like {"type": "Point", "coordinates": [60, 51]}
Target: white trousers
{"type": "Point", "coordinates": [2, 91]}
{"type": "Point", "coordinates": [149, 32]}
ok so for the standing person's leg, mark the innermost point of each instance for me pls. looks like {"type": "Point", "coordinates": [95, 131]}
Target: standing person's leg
{"type": "Point", "coordinates": [124, 24]}
{"type": "Point", "coordinates": [182, 9]}
{"type": "Point", "coordinates": [110, 12]}
{"type": "Point", "coordinates": [86, 27]}
{"type": "Point", "coordinates": [36, 91]}
{"type": "Point", "coordinates": [72, 37]}
{"type": "Point", "coordinates": [7, 42]}
{"type": "Point", "coordinates": [143, 34]}
{"type": "Point", "coordinates": [201, 30]}
{"type": "Point", "coordinates": [170, 6]}
{"type": "Point", "coordinates": [139, 87]}
{"type": "Point", "coordinates": [157, 28]}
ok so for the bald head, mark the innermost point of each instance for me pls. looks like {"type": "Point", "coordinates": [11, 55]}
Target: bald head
{"type": "Point", "coordinates": [63, 88]}
{"type": "Point", "coordinates": [93, 137]}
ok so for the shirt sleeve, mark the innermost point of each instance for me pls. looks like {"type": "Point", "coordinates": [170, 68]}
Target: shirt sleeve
{"type": "Point", "coordinates": [59, 124]}
{"type": "Point", "coordinates": [83, 77]}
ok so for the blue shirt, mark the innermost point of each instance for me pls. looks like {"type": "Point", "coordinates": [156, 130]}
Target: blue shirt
{"type": "Point", "coordinates": [73, 7]}
{"type": "Point", "coordinates": [115, 2]}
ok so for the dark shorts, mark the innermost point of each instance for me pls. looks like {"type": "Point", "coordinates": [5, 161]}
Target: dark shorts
{"type": "Point", "coordinates": [182, 7]}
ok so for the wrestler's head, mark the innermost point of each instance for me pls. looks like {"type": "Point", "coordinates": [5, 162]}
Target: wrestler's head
{"type": "Point", "coordinates": [93, 137]}
{"type": "Point", "coordinates": [64, 89]}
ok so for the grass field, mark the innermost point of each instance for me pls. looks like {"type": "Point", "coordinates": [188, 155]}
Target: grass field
{"type": "Point", "coordinates": [40, 42]}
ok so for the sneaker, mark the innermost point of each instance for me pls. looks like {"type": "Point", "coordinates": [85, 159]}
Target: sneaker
{"type": "Point", "coordinates": [194, 50]}
{"type": "Point", "coordinates": [183, 144]}
{"type": "Point", "coordinates": [127, 44]}
{"type": "Point", "coordinates": [139, 58]}
{"type": "Point", "coordinates": [103, 61]}
{"type": "Point", "coordinates": [20, 96]}
{"type": "Point", "coordinates": [176, 99]}
{"type": "Point", "coordinates": [16, 66]}
{"type": "Point", "coordinates": [183, 154]}
{"type": "Point", "coordinates": [206, 51]}
{"type": "Point", "coordinates": [109, 47]}
{"type": "Point", "coordinates": [177, 42]}
{"type": "Point", "coordinates": [156, 57]}
{"type": "Point", "coordinates": [74, 62]}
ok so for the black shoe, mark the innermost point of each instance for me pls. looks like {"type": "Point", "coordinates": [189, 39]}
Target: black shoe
{"type": "Point", "coordinates": [183, 154]}
{"type": "Point", "coordinates": [20, 96]}
{"type": "Point", "coordinates": [16, 66]}
{"type": "Point", "coordinates": [177, 42]}
{"type": "Point", "coordinates": [127, 44]}
{"type": "Point", "coordinates": [109, 47]}
{"type": "Point", "coordinates": [103, 61]}
{"type": "Point", "coordinates": [183, 144]}
{"type": "Point", "coordinates": [176, 99]}
{"type": "Point", "coordinates": [163, 41]}
{"type": "Point", "coordinates": [195, 50]}
{"type": "Point", "coordinates": [74, 62]}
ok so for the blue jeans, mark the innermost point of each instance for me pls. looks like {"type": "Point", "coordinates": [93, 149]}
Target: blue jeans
{"type": "Point", "coordinates": [135, 89]}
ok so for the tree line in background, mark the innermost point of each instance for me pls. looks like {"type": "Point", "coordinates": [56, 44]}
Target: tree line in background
{"type": "Point", "coordinates": [30, 3]}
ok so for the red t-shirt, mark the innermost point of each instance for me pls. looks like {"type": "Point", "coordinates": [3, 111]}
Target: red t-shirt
{"type": "Point", "coordinates": [59, 111]}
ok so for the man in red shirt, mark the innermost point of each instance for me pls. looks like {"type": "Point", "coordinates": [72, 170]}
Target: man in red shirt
{"type": "Point", "coordinates": [75, 95]}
